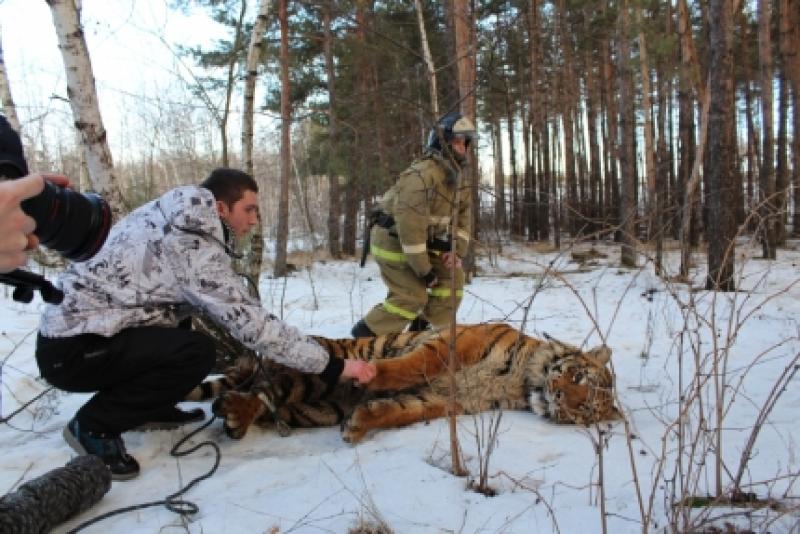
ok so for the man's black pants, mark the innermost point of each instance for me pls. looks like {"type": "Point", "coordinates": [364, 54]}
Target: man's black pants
{"type": "Point", "coordinates": [137, 373]}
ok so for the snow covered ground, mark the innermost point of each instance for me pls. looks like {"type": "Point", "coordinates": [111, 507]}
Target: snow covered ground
{"type": "Point", "coordinates": [546, 476]}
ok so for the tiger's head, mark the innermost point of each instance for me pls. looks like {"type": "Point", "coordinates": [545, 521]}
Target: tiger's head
{"type": "Point", "coordinates": [578, 389]}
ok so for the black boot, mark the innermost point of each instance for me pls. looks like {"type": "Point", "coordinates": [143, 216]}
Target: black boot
{"type": "Point", "coordinates": [419, 324]}
{"type": "Point", "coordinates": [110, 449]}
{"type": "Point", "coordinates": [360, 329]}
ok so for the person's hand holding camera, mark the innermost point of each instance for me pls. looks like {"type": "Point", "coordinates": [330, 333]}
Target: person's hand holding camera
{"type": "Point", "coordinates": [16, 227]}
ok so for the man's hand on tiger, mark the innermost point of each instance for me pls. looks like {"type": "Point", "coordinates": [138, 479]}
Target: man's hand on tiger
{"type": "Point", "coordinates": [362, 371]}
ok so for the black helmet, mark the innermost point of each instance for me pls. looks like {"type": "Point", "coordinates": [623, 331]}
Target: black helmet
{"type": "Point", "coordinates": [449, 127]}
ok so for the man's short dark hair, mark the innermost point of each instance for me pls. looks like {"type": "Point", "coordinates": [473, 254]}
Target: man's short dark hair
{"type": "Point", "coordinates": [229, 185]}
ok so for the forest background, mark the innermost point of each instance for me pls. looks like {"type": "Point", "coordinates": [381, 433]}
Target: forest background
{"type": "Point", "coordinates": [648, 125]}
{"type": "Point", "coordinates": [626, 120]}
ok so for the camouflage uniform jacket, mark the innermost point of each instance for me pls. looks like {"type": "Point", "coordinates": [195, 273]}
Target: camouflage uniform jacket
{"type": "Point", "coordinates": [421, 202]}
{"type": "Point", "coordinates": [162, 262]}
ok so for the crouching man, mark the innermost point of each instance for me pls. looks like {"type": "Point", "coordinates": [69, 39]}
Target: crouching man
{"type": "Point", "coordinates": [117, 333]}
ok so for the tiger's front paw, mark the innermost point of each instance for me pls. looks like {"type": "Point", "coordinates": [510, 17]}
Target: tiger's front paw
{"type": "Point", "coordinates": [353, 431]}
{"type": "Point", "coordinates": [240, 410]}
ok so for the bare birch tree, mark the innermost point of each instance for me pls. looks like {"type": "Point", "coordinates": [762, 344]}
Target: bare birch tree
{"type": "Point", "coordinates": [9, 109]}
{"type": "Point", "coordinates": [254, 50]}
{"type": "Point", "coordinates": [84, 102]}
{"type": "Point", "coordinates": [430, 69]}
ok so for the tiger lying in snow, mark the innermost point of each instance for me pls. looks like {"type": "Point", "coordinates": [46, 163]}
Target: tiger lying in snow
{"type": "Point", "coordinates": [497, 367]}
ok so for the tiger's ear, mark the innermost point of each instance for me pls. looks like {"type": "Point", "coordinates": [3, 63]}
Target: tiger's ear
{"type": "Point", "coordinates": [601, 354]}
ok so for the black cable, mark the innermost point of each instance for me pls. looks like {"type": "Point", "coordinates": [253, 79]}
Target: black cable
{"type": "Point", "coordinates": [170, 502]}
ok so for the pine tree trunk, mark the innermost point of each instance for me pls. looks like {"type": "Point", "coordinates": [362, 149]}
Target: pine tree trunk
{"type": "Point", "coordinates": [499, 177]}
{"type": "Point", "coordinates": [649, 142]}
{"type": "Point", "coordinates": [789, 29]}
{"type": "Point", "coordinates": [351, 199]}
{"type": "Point", "coordinates": [548, 200]}
{"type": "Point", "coordinates": [334, 194]}
{"type": "Point", "coordinates": [282, 238]}
{"type": "Point", "coordinates": [552, 184]}
{"type": "Point", "coordinates": [691, 152]}
{"type": "Point", "coordinates": [85, 105]}
{"type": "Point", "coordinates": [752, 152]}
{"type": "Point", "coordinates": [465, 63]}
{"type": "Point", "coordinates": [611, 205]}
{"type": "Point", "coordinates": [796, 164]}
{"type": "Point", "coordinates": [595, 175]}
{"type": "Point", "coordinates": [537, 118]}
{"type": "Point", "coordinates": [767, 172]}
{"type": "Point", "coordinates": [627, 154]}
{"type": "Point", "coordinates": [527, 175]}
{"type": "Point", "coordinates": [465, 60]}
{"type": "Point", "coordinates": [719, 171]}
{"type": "Point", "coordinates": [567, 105]}
{"type": "Point", "coordinates": [662, 171]}
{"type": "Point", "coordinates": [529, 204]}
{"type": "Point", "coordinates": [516, 208]}
{"type": "Point", "coordinates": [781, 172]}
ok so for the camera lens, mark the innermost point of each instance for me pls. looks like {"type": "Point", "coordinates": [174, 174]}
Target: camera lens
{"type": "Point", "coordinates": [73, 224]}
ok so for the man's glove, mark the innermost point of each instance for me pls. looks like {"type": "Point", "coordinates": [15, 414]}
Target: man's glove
{"type": "Point", "coordinates": [430, 279]}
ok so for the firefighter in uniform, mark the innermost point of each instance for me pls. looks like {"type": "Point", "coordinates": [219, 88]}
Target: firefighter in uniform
{"type": "Point", "coordinates": [411, 237]}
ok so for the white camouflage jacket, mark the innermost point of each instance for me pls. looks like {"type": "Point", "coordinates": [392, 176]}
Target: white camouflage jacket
{"type": "Point", "coordinates": [162, 262]}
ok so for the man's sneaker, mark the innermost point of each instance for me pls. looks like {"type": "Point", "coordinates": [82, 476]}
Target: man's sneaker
{"type": "Point", "coordinates": [110, 449]}
{"type": "Point", "coordinates": [172, 418]}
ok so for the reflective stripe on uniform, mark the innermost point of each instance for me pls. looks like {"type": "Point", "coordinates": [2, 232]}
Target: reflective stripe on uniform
{"type": "Point", "coordinates": [443, 220]}
{"type": "Point", "coordinates": [440, 292]}
{"type": "Point", "coordinates": [415, 249]}
{"type": "Point", "coordinates": [387, 255]}
{"type": "Point", "coordinates": [395, 310]}
{"type": "Point", "coordinates": [463, 234]}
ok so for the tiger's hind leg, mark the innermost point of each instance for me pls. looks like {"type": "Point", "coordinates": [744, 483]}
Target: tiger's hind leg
{"type": "Point", "coordinates": [400, 410]}
{"type": "Point", "coordinates": [239, 410]}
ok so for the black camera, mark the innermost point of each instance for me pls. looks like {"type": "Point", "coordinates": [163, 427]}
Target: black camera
{"type": "Point", "coordinates": [73, 224]}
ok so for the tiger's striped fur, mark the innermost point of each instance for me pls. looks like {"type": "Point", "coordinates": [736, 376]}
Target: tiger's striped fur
{"type": "Point", "coordinates": [496, 367]}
